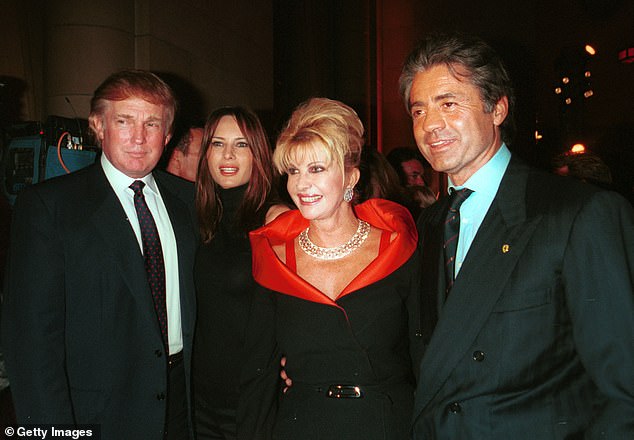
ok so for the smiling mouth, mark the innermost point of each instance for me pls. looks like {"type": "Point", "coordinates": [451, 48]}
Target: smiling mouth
{"type": "Point", "coordinates": [309, 199]}
{"type": "Point", "coordinates": [440, 144]}
{"type": "Point", "coordinates": [228, 171]}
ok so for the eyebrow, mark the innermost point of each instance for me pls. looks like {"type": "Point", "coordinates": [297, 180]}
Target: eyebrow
{"type": "Point", "coordinates": [310, 164]}
{"type": "Point", "coordinates": [223, 138]}
{"type": "Point", "coordinates": [151, 118]}
{"type": "Point", "coordinates": [436, 98]}
{"type": "Point", "coordinates": [445, 96]}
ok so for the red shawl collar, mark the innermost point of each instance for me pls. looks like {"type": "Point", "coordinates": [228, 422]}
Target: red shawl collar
{"type": "Point", "coordinates": [271, 273]}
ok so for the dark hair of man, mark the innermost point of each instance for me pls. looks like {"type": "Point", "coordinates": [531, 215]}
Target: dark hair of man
{"type": "Point", "coordinates": [133, 84]}
{"type": "Point", "coordinates": [587, 167]}
{"type": "Point", "coordinates": [260, 187]}
{"type": "Point", "coordinates": [184, 142]}
{"type": "Point", "coordinates": [467, 58]}
{"type": "Point", "coordinates": [398, 155]}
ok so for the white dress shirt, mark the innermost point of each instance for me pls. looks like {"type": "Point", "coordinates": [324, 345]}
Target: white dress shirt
{"type": "Point", "coordinates": [120, 183]}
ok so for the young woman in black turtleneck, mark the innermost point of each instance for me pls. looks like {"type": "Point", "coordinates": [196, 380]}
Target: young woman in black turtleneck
{"type": "Point", "coordinates": [234, 195]}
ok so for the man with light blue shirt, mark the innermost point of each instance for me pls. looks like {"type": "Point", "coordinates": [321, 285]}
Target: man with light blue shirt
{"type": "Point", "coordinates": [484, 183]}
{"type": "Point", "coordinates": [98, 316]}
{"type": "Point", "coordinates": [527, 322]}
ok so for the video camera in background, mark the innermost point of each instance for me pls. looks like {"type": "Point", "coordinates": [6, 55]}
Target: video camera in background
{"type": "Point", "coordinates": [36, 152]}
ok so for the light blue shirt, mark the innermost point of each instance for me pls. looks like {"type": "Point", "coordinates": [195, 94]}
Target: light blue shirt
{"type": "Point", "coordinates": [484, 183]}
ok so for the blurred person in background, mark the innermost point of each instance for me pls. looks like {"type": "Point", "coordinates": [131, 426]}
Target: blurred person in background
{"type": "Point", "coordinates": [408, 164]}
{"type": "Point", "coordinates": [183, 161]}
{"type": "Point", "coordinates": [587, 167]}
{"type": "Point", "coordinates": [378, 179]}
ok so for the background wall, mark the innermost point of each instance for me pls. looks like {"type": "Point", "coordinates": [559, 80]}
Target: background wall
{"type": "Point", "coordinates": [531, 37]}
{"type": "Point", "coordinates": [273, 54]}
{"type": "Point", "coordinates": [213, 52]}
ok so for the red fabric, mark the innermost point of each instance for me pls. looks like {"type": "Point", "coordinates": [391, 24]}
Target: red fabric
{"type": "Point", "coordinates": [271, 273]}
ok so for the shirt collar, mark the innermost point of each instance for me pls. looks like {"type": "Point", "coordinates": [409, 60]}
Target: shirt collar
{"type": "Point", "coordinates": [487, 179]}
{"type": "Point", "coordinates": [121, 182]}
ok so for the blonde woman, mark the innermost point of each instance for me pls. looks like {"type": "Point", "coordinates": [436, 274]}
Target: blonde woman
{"type": "Point", "coordinates": [343, 279]}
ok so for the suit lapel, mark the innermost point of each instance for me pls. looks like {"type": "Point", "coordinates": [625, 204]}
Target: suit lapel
{"type": "Point", "coordinates": [120, 241]}
{"type": "Point", "coordinates": [492, 256]}
{"type": "Point", "coordinates": [179, 214]}
{"type": "Point", "coordinates": [430, 229]}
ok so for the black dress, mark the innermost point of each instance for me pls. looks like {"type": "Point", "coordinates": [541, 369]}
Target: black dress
{"type": "Point", "coordinates": [224, 327]}
{"type": "Point", "coordinates": [354, 346]}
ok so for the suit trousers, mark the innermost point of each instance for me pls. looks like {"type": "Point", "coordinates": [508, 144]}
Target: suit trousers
{"type": "Point", "coordinates": [176, 426]}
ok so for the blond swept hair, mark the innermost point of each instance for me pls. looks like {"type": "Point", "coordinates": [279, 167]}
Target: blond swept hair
{"type": "Point", "coordinates": [132, 83]}
{"type": "Point", "coordinates": [330, 123]}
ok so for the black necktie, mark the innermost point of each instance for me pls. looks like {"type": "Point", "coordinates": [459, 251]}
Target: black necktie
{"type": "Point", "coordinates": [451, 232]}
{"type": "Point", "coordinates": [153, 255]}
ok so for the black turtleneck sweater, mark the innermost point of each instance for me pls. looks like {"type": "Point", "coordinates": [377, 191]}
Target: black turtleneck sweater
{"type": "Point", "coordinates": [224, 289]}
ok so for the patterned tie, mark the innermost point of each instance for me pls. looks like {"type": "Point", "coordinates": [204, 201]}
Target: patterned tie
{"type": "Point", "coordinates": [452, 230]}
{"type": "Point", "coordinates": [153, 255]}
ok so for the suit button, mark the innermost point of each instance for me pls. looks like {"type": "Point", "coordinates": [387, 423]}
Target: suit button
{"type": "Point", "coordinates": [158, 353]}
{"type": "Point", "coordinates": [478, 356]}
{"type": "Point", "coordinates": [454, 407]}
{"type": "Point", "coordinates": [160, 396]}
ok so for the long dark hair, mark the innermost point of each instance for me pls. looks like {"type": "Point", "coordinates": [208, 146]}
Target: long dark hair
{"type": "Point", "coordinates": [261, 183]}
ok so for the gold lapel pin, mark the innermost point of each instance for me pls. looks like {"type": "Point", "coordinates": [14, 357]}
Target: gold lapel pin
{"type": "Point", "coordinates": [505, 248]}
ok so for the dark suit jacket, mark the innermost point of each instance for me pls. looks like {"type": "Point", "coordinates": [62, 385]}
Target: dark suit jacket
{"type": "Point", "coordinates": [536, 339]}
{"type": "Point", "coordinates": [80, 335]}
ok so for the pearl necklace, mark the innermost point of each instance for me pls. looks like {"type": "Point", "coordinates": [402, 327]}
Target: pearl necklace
{"type": "Point", "coordinates": [334, 253]}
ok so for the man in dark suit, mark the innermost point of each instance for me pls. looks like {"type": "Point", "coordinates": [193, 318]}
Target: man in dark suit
{"type": "Point", "coordinates": [99, 311]}
{"type": "Point", "coordinates": [529, 324]}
